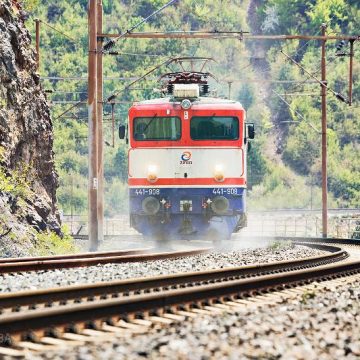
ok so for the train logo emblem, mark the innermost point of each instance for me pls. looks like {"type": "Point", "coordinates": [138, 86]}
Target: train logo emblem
{"type": "Point", "coordinates": [185, 158]}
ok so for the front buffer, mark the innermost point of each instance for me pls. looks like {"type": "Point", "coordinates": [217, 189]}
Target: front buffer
{"type": "Point", "coordinates": [187, 213]}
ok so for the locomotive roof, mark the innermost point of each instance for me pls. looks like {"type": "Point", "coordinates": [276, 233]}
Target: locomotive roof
{"type": "Point", "coordinates": [198, 101]}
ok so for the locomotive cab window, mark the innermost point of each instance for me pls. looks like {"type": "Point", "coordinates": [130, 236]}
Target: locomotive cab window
{"type": "Point", "coordinates": [157, 128]}
{"type": "Point", "coordinates": [214, 128]}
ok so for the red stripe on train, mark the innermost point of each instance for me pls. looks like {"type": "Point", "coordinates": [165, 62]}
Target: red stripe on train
{"type": "Point", "coordinates": [188, 181]}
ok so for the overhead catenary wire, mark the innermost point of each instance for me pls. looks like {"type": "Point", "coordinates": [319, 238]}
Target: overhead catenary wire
{"type": "Point", "coordinates": [300, 94]}
{"type": "Point", "coordinates": [158, 66]}
{"type": "Point", "coordinates": [51, 91]}
{"type": "Point", "coordinates": [69, 109]}
{"type": "Point", "coordinates": [115, 94]}
{"type": "Point", "coordinates": [268, 69]}
{"type": "Point", "coordinates": [58, 31]}
{"type": "Point", "coordinates": [58, 78]}
{"type": "Point", "coordinates": [133, 54]}
{"type": "Point", "coordinates": [127, 32]}
{"type": "Point", "coordinates": [83, 78]}
{"type": "Point", "coordinates": [329, 61]}
{"type": "Point", "coordinates": [295, 111]}
{"type": "Point", "coordinates": [83, 102]}
{"type": "Point", "coordinates": [337, 95]}
{"type": "Point", "coordinates": [110, 44]}
{"type": "Point", "coordinates": [319, 31]}
{"type": "Point", "coordinates": [306, 44]}
{"type": "Point", "coordinates": [220, 35]}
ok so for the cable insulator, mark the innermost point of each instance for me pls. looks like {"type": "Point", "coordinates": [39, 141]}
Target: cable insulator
{"type": "Point", "coordinates": [341, 98]}
{"type": "Point", "coordinates": [341, 54]}
{"type": "Point", "coordinates": [111, 98]}
{"type": "Point", "coordinates": [340, 45]}
{"type": "Point", "coordinates": [205, 89]}
{"type": "Point", "coordinates": [170, 89]}
{"type": "Point", "coordinates": [109, 45]}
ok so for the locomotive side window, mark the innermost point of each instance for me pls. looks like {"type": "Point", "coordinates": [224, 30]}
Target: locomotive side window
{"type": "Point", "coordinates": [214, 128]}
{"type": "Point", "coordinates": [157, 128]}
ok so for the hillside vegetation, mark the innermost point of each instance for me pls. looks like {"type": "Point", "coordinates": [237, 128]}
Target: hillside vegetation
{"type": "Point", "coordinates": [285, 165]}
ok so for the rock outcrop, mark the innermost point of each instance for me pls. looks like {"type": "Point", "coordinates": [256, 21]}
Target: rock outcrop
{"type": "Point", "coordinates": [28, 180]}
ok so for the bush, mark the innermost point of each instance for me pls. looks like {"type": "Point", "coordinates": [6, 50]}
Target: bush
{"type": "Point", "coordinates": [48, 243]}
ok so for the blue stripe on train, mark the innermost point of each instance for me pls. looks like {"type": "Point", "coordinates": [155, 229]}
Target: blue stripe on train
{"type": "Point", "coordinates": [170, 220]}
{"type": "Point", "coordinates": [235, 195]}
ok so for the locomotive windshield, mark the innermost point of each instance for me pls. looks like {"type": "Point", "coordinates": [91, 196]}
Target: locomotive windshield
{"type": "Point", "coordinates": [157, 128]}
{"type": "Point", "coordinates": [214, 128]}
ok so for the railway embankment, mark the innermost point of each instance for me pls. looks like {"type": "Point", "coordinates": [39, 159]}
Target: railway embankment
{"type": "Point", "coordinates": [301, 302]}
{"type": "Point", "coordinates": [318, 324]}
{"type": "Point", "coordinates": [28, 179]}
{"type": "Point", "coordinates": [110, 272]}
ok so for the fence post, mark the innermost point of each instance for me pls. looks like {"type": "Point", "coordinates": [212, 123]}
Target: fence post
{"type": "Point", "coordinates": [316, 227]}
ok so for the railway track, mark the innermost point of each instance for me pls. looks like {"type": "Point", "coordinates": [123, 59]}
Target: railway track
{"type": "Point", "coordinates": [115, 305]}
{"type": "Point", "coordinates": [11, 265]}
{"type": "Point", "coordinates": [102, 290]}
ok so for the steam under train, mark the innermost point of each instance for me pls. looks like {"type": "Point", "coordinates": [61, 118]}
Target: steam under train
{"type": "Point", "coordinates": [187, 162]}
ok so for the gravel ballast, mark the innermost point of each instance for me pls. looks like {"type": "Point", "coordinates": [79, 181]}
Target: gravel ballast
{"type": "Point", "coordinates": [110, 272]}
{"type": "Point", "coordinates": [324, 325]}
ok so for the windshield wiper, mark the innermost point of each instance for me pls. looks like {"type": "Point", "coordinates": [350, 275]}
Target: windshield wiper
{"type": "Point", "coordinates": [151, 120]}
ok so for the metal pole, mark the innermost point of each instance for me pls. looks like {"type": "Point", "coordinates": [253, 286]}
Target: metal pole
{"type": "Point", "coordinates": [323, 135]}
{"type": "Point", "coordinates": [37, 42]}
{"type": "Point", "coordinates": [92, 112]}
{"type": "Point", "coordinates": [311, 192]}
{"type": "Point", "coordinates": [351, 70]}
{"type": "Point", "coordinates": [113, 123]}
{"type": "Point", "coordinates": [72, 198]}
{"type": "Point", "coordinates": [100, 140]}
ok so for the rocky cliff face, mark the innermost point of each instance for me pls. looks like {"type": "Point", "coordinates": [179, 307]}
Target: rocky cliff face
{"type": "Point", "coordinates": [28, 179]}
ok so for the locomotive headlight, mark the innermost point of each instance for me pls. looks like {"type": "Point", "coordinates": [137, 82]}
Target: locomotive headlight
{"type": "Point", "coordinates": [219, 173]}
{"type": "Point", "coordinates": [152, 173]}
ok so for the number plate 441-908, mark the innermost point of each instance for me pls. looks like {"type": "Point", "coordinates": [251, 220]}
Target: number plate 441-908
{"type": "Point", "coordinates": [143, 192]}
{"type": "Point", "coordinates": [225, 191]}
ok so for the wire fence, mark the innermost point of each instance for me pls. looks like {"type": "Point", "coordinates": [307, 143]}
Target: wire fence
{"type": "Point", "coordinates": [303, 226]}
{"type": "Point", "coordinates": [298, 224]}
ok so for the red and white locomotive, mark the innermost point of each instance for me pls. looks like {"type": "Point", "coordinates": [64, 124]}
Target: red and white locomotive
{"type": "Point", "coordinates": [187, 162]}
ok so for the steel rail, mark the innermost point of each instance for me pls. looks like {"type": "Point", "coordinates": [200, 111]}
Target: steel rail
{"type": "Point", "coordinates": [75, 256]}
{"type": "Point", "coordinates": [315, 240]}
{"type": "Point", "coordinates": [102, 289]}
{"type": "Point", "coordinates": [82, 262]}
{"type": "Point", "coordinates": [105, 310]}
